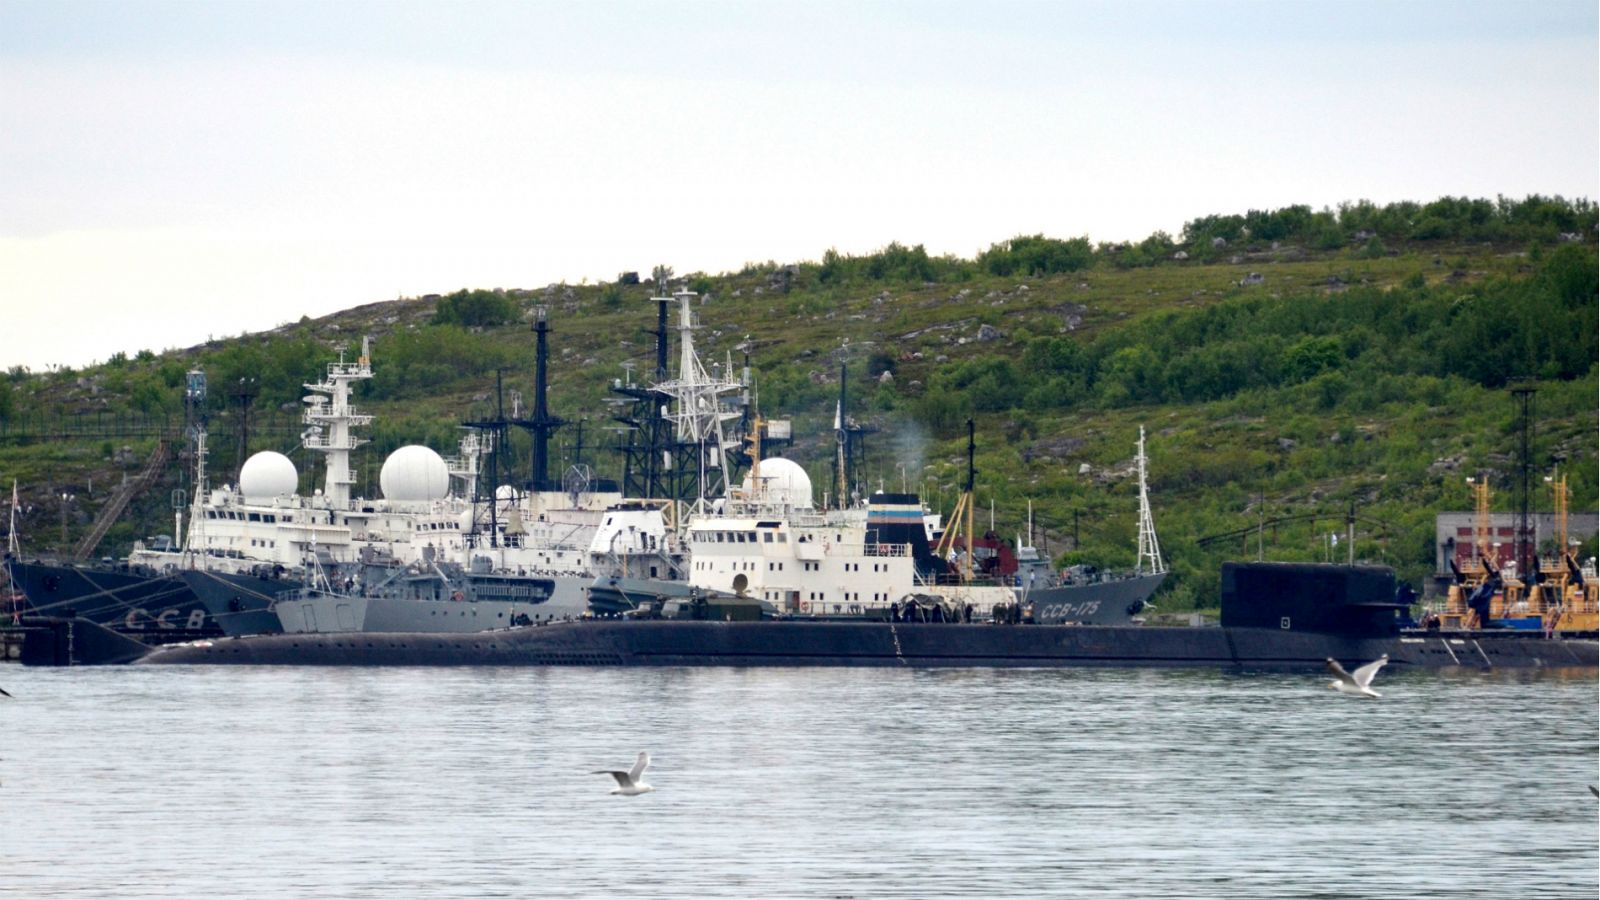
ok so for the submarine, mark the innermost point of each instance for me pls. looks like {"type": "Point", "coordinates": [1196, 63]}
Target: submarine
{"type": "Point", "coordinates": [1274, 616]}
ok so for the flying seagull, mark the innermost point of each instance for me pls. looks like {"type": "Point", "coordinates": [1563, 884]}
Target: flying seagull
{"type": "Point", "coordinates": [629, 783]}
{"type": "Point", "coordinates": [1357, 683]}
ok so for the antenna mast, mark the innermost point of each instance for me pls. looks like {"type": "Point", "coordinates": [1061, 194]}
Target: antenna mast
{"type": "Point", "coordinates": [698, 413]}
{"type": "Point", "coordinates": [1149, 547]}
{"type": "Point", "coordinates": [543, 425]}
{"type": "Point", "coordinates": [194, 404]}
{"type": "Point", "coordinates": [335, 414]}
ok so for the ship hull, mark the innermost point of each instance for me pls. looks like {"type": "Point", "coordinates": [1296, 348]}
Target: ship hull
{"type": "Point", "coordinates": [248, 605]}
{"type": "Point", "coordinates": [1095, 603]}
{"type": "Point", "coordinates": [239, 604]}
{"type": "Point", "coordinates": [856, 644]}
{"type": "Point", "coordinates": [151, 608]}
{"type": "Point", "coordinates": [616, 594]}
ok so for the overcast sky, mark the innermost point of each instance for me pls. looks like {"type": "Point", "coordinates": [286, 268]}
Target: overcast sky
{"type": "Point", "coordinates": [173, 171]}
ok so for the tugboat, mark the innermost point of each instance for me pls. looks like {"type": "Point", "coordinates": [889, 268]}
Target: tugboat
{"type": "Point", "coordinates": [1553, 594]}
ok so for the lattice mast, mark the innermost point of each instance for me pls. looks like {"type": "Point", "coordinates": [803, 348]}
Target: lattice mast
{"type": "Point", "coordinates": [698, 414]}
{"type": "Point", "coordinates": [194, 405]}
{"type": "Point", "coordinates": [13, 545]}
{"type": "Point", "coordinates": [1149, 546]}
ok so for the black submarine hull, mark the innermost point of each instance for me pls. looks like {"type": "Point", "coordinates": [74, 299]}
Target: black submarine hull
{"type": "Point", "coordinates": [1274, 616]}
{"type": "Point", "coordinates": [857, 643]}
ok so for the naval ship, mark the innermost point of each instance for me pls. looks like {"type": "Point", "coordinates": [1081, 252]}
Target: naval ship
{"type": "Point", "coordinates": [248, 545]}
{"type": "Point", "coordinates": [1081, 594]}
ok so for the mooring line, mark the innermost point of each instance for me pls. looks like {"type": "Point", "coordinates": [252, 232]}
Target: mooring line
{"type": "Point", "coordinates": [1453, 658]}
{"type": "Point", "coordinates": [1485, 656]}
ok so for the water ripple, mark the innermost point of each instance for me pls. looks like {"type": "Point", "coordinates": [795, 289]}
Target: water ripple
{"type": "Point", "coordinates": [794, 783]}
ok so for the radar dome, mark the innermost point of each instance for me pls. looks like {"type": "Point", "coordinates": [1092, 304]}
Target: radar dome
{"type": "Point", "coordinates": [414, 474]}
{"type": "Point", "coordinates": [783, 481]}
{"type": "Point", "coordinates": [266, 475]}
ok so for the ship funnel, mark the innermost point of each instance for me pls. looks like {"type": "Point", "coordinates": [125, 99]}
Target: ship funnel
{"type": "Point", "coordinates": [897, 519]}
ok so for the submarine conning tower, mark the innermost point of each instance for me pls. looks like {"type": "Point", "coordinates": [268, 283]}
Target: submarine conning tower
{"type": "Point", "coordinates": [1357, 601]}
{"type": "Point", "coordinates": [897, 519]}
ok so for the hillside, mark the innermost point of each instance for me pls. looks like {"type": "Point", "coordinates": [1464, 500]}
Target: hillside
{"type": "Point", "coordinates": [1282, 362]}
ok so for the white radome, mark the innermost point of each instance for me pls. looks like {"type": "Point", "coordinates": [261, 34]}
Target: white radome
{"type": "Point", "coordinates": [414, 474]}
{"type": "Point", "coordinates": [784, 482]}
{"type": "Point", "coordinates": [266, 475]}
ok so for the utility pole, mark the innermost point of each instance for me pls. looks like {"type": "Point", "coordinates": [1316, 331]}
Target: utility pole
{"type": "Point", "coordinates": [66, 498]}
{"type": "Point", "coordinates": [1261, 526]}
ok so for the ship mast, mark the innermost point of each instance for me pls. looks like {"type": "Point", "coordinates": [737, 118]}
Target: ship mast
{"type": "Point", "coordinates": [543, 425]}
{"type": "Point", "coordinates": [698, 412]}
{"type": "Point", "coordinates": [331, 419]}
{"type": "Point", "coordinates": [13, 546]}
{"type": "Point", "coordinates": [972, 475]}
{"type": "Point", "coordinates": [465, 467]}
{"type": "Point", "coordinates": [841, 473]}
{"type": "Point", "coordinates": [194, 400]}
{"type": "Point", "coordinates": [1481, 529]}
{"type": "Point", "coordinates": [1558, 487]}
{"type": "Point", "coordinates": [1149, 547]}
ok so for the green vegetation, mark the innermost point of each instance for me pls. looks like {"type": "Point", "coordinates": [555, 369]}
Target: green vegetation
{"type": "Point", "coordinates": [475, 309]}
{"type": "Point", "coordinates": [1284, 362]}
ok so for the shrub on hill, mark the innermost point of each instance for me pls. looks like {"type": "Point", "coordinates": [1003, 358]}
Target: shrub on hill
{"type": "Point", "coordinates": [1036, 255]}
{"type": "Point", "coordinates": [475, 309]}
{"type": "Point", "coordinates": [1340, 344]}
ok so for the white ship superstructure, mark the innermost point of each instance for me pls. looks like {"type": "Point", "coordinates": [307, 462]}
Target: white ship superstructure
{"type": "Point", "coordinates": [264, 524]}
{"type": "Point", "coordinates": [770, 542]}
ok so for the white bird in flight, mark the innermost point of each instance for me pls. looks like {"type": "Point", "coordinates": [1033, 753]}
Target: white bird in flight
{"type": "Point", "coordinates": [1356, 683]}
{"type": "Point", "coordinates": [629, 783]}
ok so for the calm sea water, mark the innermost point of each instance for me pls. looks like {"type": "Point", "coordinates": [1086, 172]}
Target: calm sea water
{"type": "Point", "coordinates": [793, 783]}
